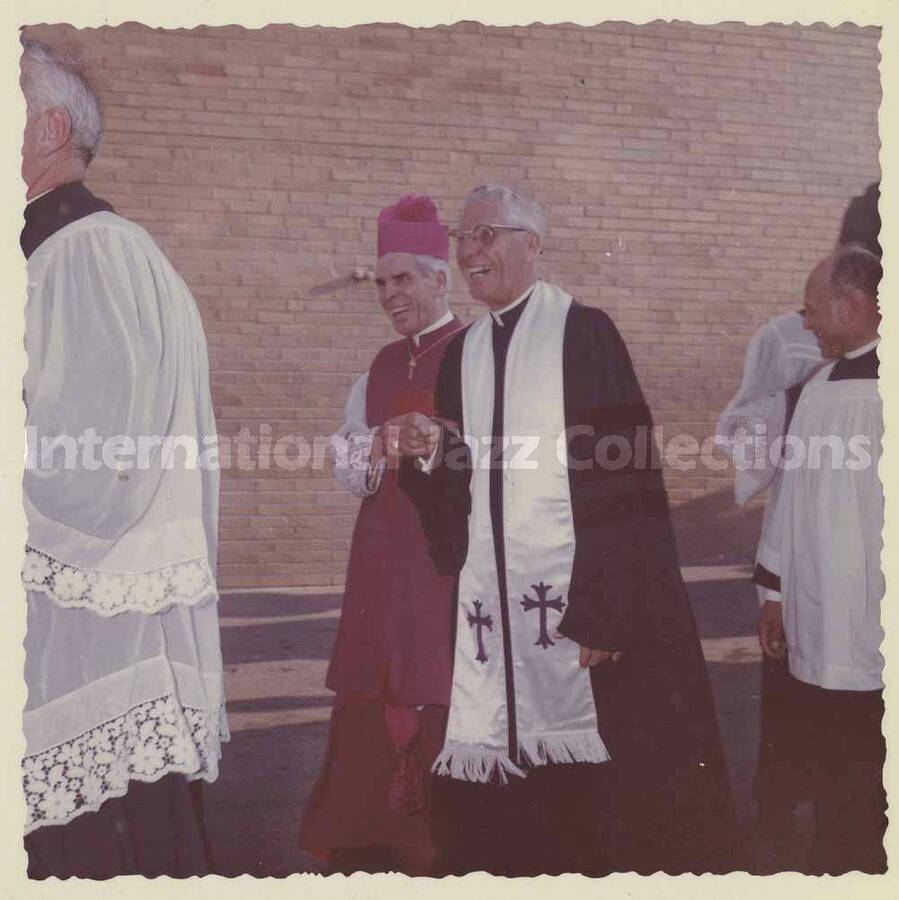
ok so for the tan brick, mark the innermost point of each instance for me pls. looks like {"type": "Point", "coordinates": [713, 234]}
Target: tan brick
{"type": "Point", "coordinates": [692, 175]}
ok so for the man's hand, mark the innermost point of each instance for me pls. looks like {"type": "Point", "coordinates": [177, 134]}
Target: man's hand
{"type": "Point", "coordinates": [386, 443]}
{"type": "Point", "coordinates": [771, 630]}
{"type": "Point", "coordinates": [589, 657]}
{"type": "Point", "coordinates": [412, 434]}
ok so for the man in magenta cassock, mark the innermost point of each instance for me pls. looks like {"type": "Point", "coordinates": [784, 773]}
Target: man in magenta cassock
{"type": "Point", "coordinates": [392, 660]}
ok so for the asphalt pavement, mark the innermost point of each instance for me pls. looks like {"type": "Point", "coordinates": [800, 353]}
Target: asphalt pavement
{"type": "Point", "coordinates": [276, 647]}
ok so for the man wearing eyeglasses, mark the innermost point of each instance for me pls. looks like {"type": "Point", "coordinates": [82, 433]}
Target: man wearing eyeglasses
{"type": "Point", "coordinates": [581, 733]}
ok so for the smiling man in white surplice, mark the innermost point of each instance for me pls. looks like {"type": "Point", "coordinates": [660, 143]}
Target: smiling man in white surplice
{"type": "Point", "coordinates": [819, 570]}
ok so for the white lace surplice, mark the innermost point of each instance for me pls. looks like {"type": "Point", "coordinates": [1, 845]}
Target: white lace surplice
{"type": "Point", "coordinates": [123, 667]}
{"type": "Point", "coordinates": [133, 696]}
{"type": "Point", "coordinates": [116, 349]}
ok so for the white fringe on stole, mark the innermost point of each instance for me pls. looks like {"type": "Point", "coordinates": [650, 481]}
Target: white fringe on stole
{"type": "Point", "coordinates": [554, 705]}
{"type": "Point", "coordinates": [467, 762]}
{"type": "Point", "coordinates": [562, 747]}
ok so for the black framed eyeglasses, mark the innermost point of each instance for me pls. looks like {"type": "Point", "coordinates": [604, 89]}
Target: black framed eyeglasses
{"type": "Point", "coordinates": [484, 235]}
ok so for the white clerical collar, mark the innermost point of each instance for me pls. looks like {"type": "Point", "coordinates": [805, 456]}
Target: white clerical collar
{"type": "Point", "coordinates": [861, 351]}
{"type": "Point", "coordinates": [445, 319]}
{"type": "Point", "coordinates": [497, 313]}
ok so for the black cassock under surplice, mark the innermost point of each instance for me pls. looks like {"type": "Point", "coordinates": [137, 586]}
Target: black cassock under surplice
{"type": "Point", "coordinates": [664, 798]}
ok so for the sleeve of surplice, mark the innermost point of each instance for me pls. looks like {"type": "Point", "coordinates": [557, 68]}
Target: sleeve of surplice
{"type": "Point", "coordinates": [351, 445]}
{"type": "Point", "coordinates": [107, 332]}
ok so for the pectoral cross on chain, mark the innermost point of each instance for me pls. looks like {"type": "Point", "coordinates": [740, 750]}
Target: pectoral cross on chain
{"type": "Point", "coordinates": [478, 621]}
{"type": "Point", "coordinates": [541, 603]}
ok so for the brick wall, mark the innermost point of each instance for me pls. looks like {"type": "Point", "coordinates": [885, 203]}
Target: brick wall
{"type": "Point", "coordinates": [692, 175]}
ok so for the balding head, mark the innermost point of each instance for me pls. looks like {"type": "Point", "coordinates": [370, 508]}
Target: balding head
{"type": "Point", "coordinates": [841, 300]}
{"type": "Point", "coordinates": [855, 269]}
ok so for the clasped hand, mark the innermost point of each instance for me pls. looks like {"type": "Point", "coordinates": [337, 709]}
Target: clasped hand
{"type": "Point", "coordinates": [411, 434]}
{"type": "Point", "coordinates": [414, 434]}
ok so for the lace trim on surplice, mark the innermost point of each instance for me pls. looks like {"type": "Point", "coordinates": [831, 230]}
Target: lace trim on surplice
{"type": "Point", "coordinates": [147, 742]}
{"type": "Point", "coordinates": [109, 593]}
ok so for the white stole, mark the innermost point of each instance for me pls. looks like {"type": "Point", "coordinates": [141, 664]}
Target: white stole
{"type": "Point", "coordinates": [555, 712]}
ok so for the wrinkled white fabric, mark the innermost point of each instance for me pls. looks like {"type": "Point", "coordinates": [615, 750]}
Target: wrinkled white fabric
{"type": "Point", "coordinates": [823, 536]}
{"type": "Point", "coordinates": [123, 661]}
{"type": "Point", "coordinates": [782, 353]}
{"type": "Point", "coordinates": [115, 344]}
{"type": "Point", "coordinates": [354, 418]}
{"type": "Point", "coordinates": [350, 447]}
{"type": "Point", "coordinates": [555, 711]}
{"type": "Point", "coordinates": [89, 677]}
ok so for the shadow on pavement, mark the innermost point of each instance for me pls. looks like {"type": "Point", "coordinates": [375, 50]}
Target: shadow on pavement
{"type": "Point", "coordinates": [713, 529]}
{"type": "Point", "coordinates": [254, 808]}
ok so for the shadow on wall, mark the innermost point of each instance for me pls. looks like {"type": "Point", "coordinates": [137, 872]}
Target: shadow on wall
{"type": "Point", "coordinates": [714, 530]}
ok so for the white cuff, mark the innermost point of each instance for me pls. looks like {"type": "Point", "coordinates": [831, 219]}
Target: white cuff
{"type": "Point", "coordinates": [768, 557]}
{"type": "Point", "coordinates": [427, 465]}
{"type": "Point", "coordinates": [351, 458]}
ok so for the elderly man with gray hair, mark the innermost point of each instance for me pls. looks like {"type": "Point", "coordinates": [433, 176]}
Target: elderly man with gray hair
{"type": "Point", "coordinates": [125, 708]}
{"type": "Point", "coordinates": [392, 658]}
{"type": "Point", "coordinates": [581, 734]}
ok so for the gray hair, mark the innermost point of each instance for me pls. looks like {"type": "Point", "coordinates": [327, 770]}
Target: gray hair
{"type": "Point", "coordinates": [855, 267]}
{"type": "Point", "coordinates": [50, 80]}
{"type": "Point", "coordinates": [519, 209]}
{"type": "Point", "coordinates": [431, 265]}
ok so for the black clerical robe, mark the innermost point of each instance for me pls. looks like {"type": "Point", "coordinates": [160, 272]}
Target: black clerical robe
{"type": "Point", "coordinates": [654, 706]}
